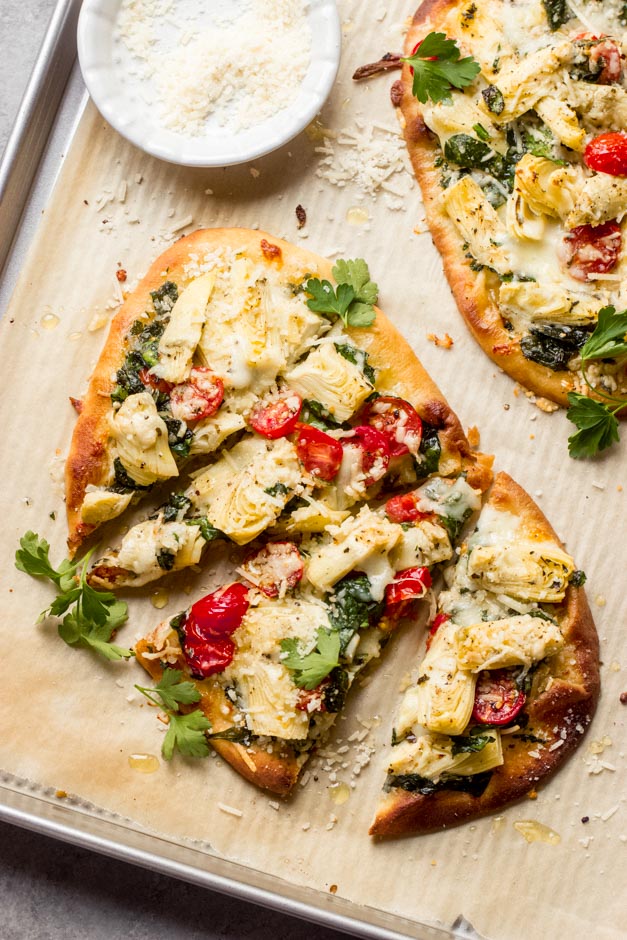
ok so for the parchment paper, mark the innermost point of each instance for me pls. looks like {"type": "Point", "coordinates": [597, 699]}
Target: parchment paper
{"type": "Point", "coordinates": [70, 721]}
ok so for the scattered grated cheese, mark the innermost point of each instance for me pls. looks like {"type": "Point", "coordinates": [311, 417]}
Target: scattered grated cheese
{"type": "Point", "coordinates": [609, 813]}
{"type": "Point", "coordinates": [230, 810]}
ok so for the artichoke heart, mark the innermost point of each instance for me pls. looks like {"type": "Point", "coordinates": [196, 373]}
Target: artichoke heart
{"type": "Point", "coordinates": [425, 543]}
{"type": "Point", "coordinates": [315, 517]}
{"type": "Point", "coordinates": [524, 82]}
{"type": "Point", "coordinates": [446, 692]}
{"type": "Point", "coordinates": [526, 570]}
{"type": "Point", "coordinates": [239, 493]}
{"type": "Point", "coordinates": [602, 198]}
{"type": "Point", "coordinates": [459, 117]}
{"type": "Point", "coordinates": [562, 121]}
{"type": "Point", "coordinates": [269, 702]}
{"type": "Point", "coordinates": [545, 188]}
{"type": "Point", "coordinates": [512, 641]}
{"type": "Point", "coordinates": [477, 223]}
{"type": "Point", "coordinates": [525, 301]}
{"type": "Point", "coordinates": [360, 539]}
{"type": "Point", "coordinates": [142, 440]}
{"type": "Point", "coordinates": [182, 334]}
{"type": "Point", "coordinates": [153, 547]}
{"type": "Point", "coordinates": [327, 377]}
{"type": "Point", "coordinates": [100, 505]}
{"type": "Point", "coordinates": [212, 431]}
{"type": "Point", "coordinates": [431, 756]}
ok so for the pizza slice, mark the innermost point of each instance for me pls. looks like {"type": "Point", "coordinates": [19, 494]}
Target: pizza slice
{"type": "Point", "coordinates": [274, 655]}
{"type": "Point", "coordinates": [514, 118]}
{"type": "Point", "coordinates": [348, 416]}
{"type": "Point", "coordinates": [509, 681]}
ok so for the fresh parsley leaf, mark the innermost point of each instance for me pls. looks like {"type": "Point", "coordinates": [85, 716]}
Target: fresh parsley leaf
{"type": "Point", "coordinates": [91, 617]}
{"type": "Point", "coordinates": [356, 275]}
{"type": "Point", "coordinates": [187, 734]}
{"type": "Point", "coordinates": [438, 68]}
{"type": "Point", "coordinates": [352, 607]}
{"type": "Point", "coordinates": [608, 339]}
{"type": "Point", "coordinates": [310, 669]}
{"type": "Point", "coordinates": [172, 691]}
{"type": "Point", "coordinates": [354, 298]}
{"type": "Point", "coordinates": [598, 427]}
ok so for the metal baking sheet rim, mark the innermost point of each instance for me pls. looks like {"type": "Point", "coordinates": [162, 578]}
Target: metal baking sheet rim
{"type": "Point", "coordinates": [45, 124]}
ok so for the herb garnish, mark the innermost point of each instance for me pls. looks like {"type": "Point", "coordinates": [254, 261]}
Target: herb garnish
{"type": "Point", "coordinates": [353, 301]}
{"type": "Point", "coordinates": [310, 669]}
{"type": "Point", "coordinates": [91, 617]}
{"type": "Point", "coordinates": [438, 68]}
{"type": "Point", "coordinates": [185, 732]}
{"type": "Point", "coordinates": [596, 420]}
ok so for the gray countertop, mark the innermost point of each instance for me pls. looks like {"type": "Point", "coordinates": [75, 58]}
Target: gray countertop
{"type": "Point", "coordinates": [53, 891]}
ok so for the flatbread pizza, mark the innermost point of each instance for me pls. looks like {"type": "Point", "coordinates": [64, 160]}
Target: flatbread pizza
{"type": "Point", "coordinates": [509, 682]}
{"type": "Point", "coordinates": [521, 155]}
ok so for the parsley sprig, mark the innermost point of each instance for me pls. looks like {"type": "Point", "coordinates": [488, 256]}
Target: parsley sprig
{"type": "Point", "coordinates": [91, 617]}
{"type": "Point", "coordinates": [353, 301]}
{"type": "Point", "coordinates": [186, 733]}
{"type": "Point", "coordinates": [438, 68]}
{"type": "Point", "coordinates": [310, 669]}
{"type": "Point", "coordinates": [596, 420]}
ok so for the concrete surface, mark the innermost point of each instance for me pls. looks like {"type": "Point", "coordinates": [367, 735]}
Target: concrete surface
{"type": "Point", "coordinates": [52, 891]}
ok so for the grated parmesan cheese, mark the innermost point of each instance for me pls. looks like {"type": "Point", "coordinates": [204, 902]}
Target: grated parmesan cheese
{"type": "Point", "coordinates": [236, 65]}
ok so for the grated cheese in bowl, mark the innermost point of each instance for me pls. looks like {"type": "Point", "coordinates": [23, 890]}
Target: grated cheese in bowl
{"type": "Point", "coordinates": [209, 82]}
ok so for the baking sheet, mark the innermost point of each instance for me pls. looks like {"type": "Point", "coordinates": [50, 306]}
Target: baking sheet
{"type": "Point", "coordinates": [67, 721]}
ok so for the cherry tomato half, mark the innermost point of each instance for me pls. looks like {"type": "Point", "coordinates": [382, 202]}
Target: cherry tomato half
{"type": "Point", "coordinates": [208, 627]}
{"type": "Point", "coordinates": [199, 397]}
{"type": "Point", "coordinates": [408, 585]}
{"type": "Point", "coordinates": [587, 251]}
{"type": "Point", "coordinates": [311, 701]}
{"type": "Point", "coordinates": [404, 508]}
{"type": "Point", "coordinates": [607, 54]}
{"type": "Point", "coordinates": [607, 153]}
{"type": "Point", "coordinates": [276, 417]}
{"type": "Point", "coordinates": [375, 451]}
{"type": "Point", "coordinates": [398, 421]}
{"type": "Point", "coordinates": [274, 569]}
{"type": "Point", "coordinates": [497, 698]}
{"type": "Point", "coordinates": [320, 454]}
{"type": "Point", "coordinates": [152, 381]}
{"type": "Point", "coordinates": [435, 625]}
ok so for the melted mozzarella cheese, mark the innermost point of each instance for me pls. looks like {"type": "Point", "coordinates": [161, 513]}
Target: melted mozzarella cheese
{"type": "Point", "coordinates": [513, 641]}
{"type": "Point", "coordinates": [142, 545]}
{"type": "Point", "coordinates": [526, 569]}
{"type": "Point", "coordinates": [141, 440]}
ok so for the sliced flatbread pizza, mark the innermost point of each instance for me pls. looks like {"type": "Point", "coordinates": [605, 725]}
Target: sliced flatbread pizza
{"type": "Point", "coordinates": [509, 682]}
{"type": "Point", "coordinates": [518, 145]}
{"type": "Point", "coordinates": [316, 412]}
{"type": "Point", "coordinates": [273, 657]}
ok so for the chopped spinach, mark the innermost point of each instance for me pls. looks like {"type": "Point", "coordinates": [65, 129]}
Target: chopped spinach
{"type": "Point", "coordinates": [277, 489]}
{"type": "Point", "coordinates": [557, 13]}
{"type": "Point", "coordinates": [208, 531]}
{"type": "Point", "coordinates": [165, 297]}
{"type": "Point", "coordinates": [494, 100]}
{"type": "Point", "coordinates": [475, 740]}
{"type": "Point", "coordinates": [177, 503]}
{"type": "Point", "coordinates": [359, 358]}
{"type": "Point", "coordinates": [124, 483]}
{"type": "Point", "coordinates": [238, 734]}
{"type": "Point", "coordinates": [578, 578]}
{"type": "Point", "coordinates": [165, 559]}
{"type": "Point", "coordinates": [314, 413]}
{"type": "Point", "coordinates": [428, 459]}
{"type": "Point", "coordinates": [473, 154]}
{"type": "Point", "coordinates": [352, 607]}
{"type": "Point", "coordinates": [334, 693]}
{"type": "Point", "coordinates": [475, 784]}
{"type": "Point", "coordinates": [180, 444]}
{"type": "Point", "coordinates": [540, 614]}
{"type": "Point", "coordinates": [296, 502]}
{"type": "Point", "coordinates": [553, 346]}
{"type": "Point", "coordinates": [454, 526]}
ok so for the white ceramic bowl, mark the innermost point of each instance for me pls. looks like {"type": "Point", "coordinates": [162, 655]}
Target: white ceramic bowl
{"type": "Point", "coordinates": [118, 99]}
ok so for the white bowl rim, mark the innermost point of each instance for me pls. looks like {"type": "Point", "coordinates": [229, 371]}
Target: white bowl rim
{"type": "Point", "coordinates": [197, 151]}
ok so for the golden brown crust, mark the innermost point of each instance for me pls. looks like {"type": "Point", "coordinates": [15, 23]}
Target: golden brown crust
{"type": "Point", "coordinates": [473, 291]}
{"type": "Point", "coordinates": [560, 708]}
{"type": "Point", "coordinates": [89, 460]}
{"type": "Point", "coordinates": [276, 771]}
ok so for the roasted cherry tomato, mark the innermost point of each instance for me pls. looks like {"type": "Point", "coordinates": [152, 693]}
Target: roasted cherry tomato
{"type": "Point", "coordinates": [152, 381]}
{"type": "Point", "coordinates": [274, 569]}
{"type": "Point", "coordinates": [398, 421]}
{"type": "Point", "coordinates": [311, 701]}
{"type": "Point", "coordinates": [320, 454]}
{"type": "Point", "coordinates": [208, 627]}
{"type": "Point", "coordinates": [375, 452]}
{"type": "Point", "coordinates": [435, 625]}
{"type": "Point", "coordinates": [276, 417]}
{"type": "Point", "coordinates": [404, 508]}
{"type": "Point", "coordinates": [408, 585]}
{"type": "Point", "coordinates": [497, 698]}
{"type": "Point", "coordinates": [199, 397]}
{"type": "Point", "coordinates": [588, 251]}
{"type": "Point", "coordinates": [604, 56]}
{"type": "Point", "coordinates": [607, 153]}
